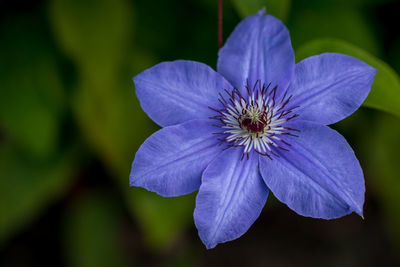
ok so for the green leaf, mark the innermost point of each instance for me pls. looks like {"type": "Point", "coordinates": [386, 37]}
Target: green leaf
{"type": "Point", "coordinates": [93, 233]}
{"type": "Point", "coordinates": [383, 142]}
{"type": "Point", "coordinates": [113, 123]}
{"type": "Point", "coordinates": [106, 108]}
{"type": "Point", "coordinates": [31, 91]}
{"type": "Point", "coordinates": [162, 219]}
{"type": "Point", "coordinates": [278, 8]}
{"type": "Point", "coordinates": [332, 21]}
{"type": "Point", "coordinates": [385, 92]}
{"type": "Point", "coordinates": [116, 126]}
{"type": "Point", "coordinates": [28, 186]}
{"type": "Point", "coordinates": [94, 33]}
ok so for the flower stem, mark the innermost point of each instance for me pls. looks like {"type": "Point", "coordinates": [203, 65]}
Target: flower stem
{"type": "Point", "coordinates": [219, 23]}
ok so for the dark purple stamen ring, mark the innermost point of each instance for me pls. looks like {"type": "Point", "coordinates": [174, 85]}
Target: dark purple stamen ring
{"type": "Point", "coordinates": [256, 122]}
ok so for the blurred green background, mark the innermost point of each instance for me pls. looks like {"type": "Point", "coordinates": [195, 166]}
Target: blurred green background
{"type": "Point", "coordinates": [70, 125]}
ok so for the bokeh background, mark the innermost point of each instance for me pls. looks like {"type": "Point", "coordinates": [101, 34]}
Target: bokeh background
{"type": "Point", "coordinates": [70, 125]}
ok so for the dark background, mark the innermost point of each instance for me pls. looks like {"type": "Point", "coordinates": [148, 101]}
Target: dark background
{"type": "Point", "coordinates": [70, 125]}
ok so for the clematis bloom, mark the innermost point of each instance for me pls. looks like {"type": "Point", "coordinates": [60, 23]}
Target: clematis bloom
{"type": "Point", "coordinates": [258, 124]}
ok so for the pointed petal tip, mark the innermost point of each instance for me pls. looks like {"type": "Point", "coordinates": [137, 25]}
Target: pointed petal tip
{"type": "Point", "coordinates": [374, 72]}
{"type": "Point", "coordinates": [341, 83]}
{"type": "Point", "coordinates": [133, 177]}
{"type": "Point", "coordinates": [370, 70]}
{"type": "Point", "coordinates": [209, 245]}
{"type": "Point", "coordinates": [358, 209]}
{"type": "Point", "coordinates": [135, 78]}
{"type": "Point", "coordinates": [207, 242]}
{"type": "Point", "coordinates": [298, 178]}
{"type": "Point", "coordinates": [175, 92]}
{"type": "Point", "coordinates": [274, 62]}
{"type": "Point", "coordinates": [360, 213]}
{"type": "Point", "coordinates": [219, 219]}
{"type": "Point", "coordinates": [135, 183]}
{"type": "Point", "coordinates": [262, 12]}
{"type": "Point", "coordinates": [132, 181]}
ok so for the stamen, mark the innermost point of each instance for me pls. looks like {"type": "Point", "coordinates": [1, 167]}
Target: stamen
{"type": "Point", "coordinates": [255, 122]}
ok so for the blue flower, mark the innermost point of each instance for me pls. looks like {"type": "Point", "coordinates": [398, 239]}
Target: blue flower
{"type": "Point", "coordinates": [258, 124]}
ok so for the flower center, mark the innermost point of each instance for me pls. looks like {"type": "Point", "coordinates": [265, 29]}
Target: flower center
{"type": "Point", "coordinates": [256, 122]}
{"type": "Point", "coordinates": [253, 120]}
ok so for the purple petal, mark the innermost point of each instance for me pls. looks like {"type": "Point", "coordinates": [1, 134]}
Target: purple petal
{"type": "Point", "coordinates": [171, 161]}
{"type": "Point", "coordinates": [319, 177]}
{"type": "Point", "coordinates": [231, 197]}
{"type": "Point", "coordinates": [258, 49]}
{"type": "Point", "coordinates": [179, 91]}
{"type": "Point", "coordinates": [329, 87]}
